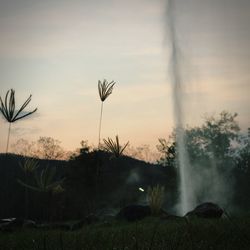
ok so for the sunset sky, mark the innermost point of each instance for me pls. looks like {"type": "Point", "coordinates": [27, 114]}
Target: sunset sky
{"type": "Point", "coordinates": [57, 50]}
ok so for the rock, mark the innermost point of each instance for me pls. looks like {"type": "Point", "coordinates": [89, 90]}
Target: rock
{"type": "Point", "coordinates": [2, 221]}
{"type": "Point", "coordinates": [15, 223]}
{"type": "Point", "coordinates": [29, 224]}
{"type": "Point", "coordinates": [206, 210]}
{"type": "Point", "coordinates": [134, 212]}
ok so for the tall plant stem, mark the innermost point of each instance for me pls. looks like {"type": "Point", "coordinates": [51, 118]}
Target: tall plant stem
{"type": "Point", "coordinates": [26, 198]}
{"type": "Point", "coordinates": [100, 126]}
{"type": "Point", "coordinates": [8, 138]}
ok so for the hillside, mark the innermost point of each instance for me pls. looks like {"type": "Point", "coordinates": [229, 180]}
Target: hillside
{"type": "Point", "coordinates": [93, 182]}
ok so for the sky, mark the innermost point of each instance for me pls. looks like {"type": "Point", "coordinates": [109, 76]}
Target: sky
{"type": "Point", "coordinates": [57, 50]}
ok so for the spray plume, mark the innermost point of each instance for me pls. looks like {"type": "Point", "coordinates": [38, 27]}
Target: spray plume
{"type": "Point", "coordinates": [186, 190]}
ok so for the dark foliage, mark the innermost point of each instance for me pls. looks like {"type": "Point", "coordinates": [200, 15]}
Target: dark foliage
{"type": "Point", "coordinates": [218, 144]}
{"type": "Point", "coordinates": [12, 194]}
{"type": "Point", "coordinates": [134, 212]}
{"type": "Point", "coordinates": [94, 181]}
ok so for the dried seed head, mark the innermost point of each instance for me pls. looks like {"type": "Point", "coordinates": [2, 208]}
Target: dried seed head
{"type": "Point", "coordinates": [105, 89]}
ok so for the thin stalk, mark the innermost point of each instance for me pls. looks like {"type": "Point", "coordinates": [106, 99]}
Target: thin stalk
{"type": "Point", "coordinates": [8, 138]}
{"type": "Point", "coordinates": [26, 198]}
{"type": "Point", "coordinates": [100, 126]}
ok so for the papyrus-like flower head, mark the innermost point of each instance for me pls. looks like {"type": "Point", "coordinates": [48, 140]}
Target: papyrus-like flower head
{"type": "Point", "coordinates": [8, 107]}
{"type": "Point", "coordinates": [105, 89]}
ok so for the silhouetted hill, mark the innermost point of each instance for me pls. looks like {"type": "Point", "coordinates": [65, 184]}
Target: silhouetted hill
{"type": "Point", "coordinates": [93, 181]}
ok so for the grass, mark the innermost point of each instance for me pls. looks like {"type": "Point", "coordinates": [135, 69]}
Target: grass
{"type": "Point", "coordinates": [114, 146]}
{"type": "Point", "coordinates": [155, 198]}
{"type": "Point", "coordinates": [149, 234]}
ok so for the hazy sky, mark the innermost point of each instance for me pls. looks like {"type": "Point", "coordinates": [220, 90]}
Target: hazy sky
{"type": "Point", "coordinates": [57, 50]}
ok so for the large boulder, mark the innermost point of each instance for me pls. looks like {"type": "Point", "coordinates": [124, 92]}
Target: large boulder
{"type": "Point", "coordinates": [11, 224]}
{"type": "Point", "coordinates": [134, 212]}
{"type": "Point", "coordinates": [206, 210]}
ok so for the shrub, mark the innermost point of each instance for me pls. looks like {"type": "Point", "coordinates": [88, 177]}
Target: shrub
{"type": "Point", "coordinates": [155, 198]}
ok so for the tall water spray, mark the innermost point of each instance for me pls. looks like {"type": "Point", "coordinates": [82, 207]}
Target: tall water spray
{"type": "Point", "coordinates": [187, 200]}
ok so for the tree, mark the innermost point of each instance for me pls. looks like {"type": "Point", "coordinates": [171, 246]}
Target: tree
{"type": "Point", "coordinates": [24, 147]}
{"type": "Point", "coordinates": [143, 153]}
{"type": "Point", "coordinates": [168, 151]}
{"type": "Point", "coordinates": [85, 148]}
{"type": "Point", "coordinates": [213, 139]}
{"type": "Point", "coordinates": [44, 148]}
{"type": "Point", "coordinates": [49, 148]}
{"type": "Point", "coordinates": [241, 153]}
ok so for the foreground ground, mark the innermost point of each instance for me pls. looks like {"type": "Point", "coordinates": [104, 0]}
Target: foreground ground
{"type": "Point", "coordinates": [148, 234]}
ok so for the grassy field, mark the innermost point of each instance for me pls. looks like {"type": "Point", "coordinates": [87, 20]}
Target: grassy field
{"type": "Point", "coordinates": [148, 234]}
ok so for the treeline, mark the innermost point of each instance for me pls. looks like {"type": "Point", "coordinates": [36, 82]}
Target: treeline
{"type": "Point", "coordinates": [217, 163]}
{"type": "Point", "coordinates": [88, 183]}
{"type": "Point", "coordinates": [92, 180]}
